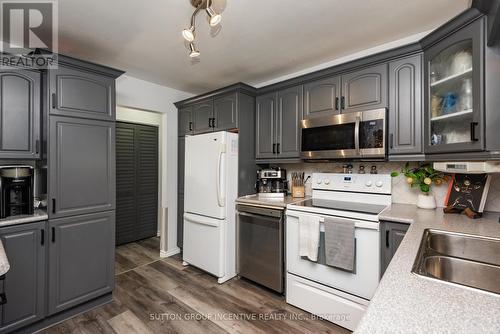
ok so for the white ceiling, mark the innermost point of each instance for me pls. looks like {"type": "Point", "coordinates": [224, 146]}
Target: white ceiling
{"type": "Point", "coordinates": [259, 39]}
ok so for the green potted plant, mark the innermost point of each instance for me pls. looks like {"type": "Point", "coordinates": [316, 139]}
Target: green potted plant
{"type": "Point", "coordinates": [422, 177]}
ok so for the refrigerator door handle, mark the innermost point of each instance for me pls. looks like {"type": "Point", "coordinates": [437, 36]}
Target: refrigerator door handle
{"type": "Point", "coordinates": [220, 195]}
{"type": "Point", "coordinates": [207, 222]}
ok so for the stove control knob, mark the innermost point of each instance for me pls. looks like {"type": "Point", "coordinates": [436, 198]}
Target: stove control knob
{"type": "Point", "coordinates": [326, 181]}
{"type": "Point", "coordinates": [318, 181]}
{"type": "Point", "coordinates": [379, 184]}
{"type": "Point", "coordinates": [368, 183]}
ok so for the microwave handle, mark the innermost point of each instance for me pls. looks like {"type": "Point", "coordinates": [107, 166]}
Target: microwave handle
{"type": "Point", "coordinates": [356, 134]}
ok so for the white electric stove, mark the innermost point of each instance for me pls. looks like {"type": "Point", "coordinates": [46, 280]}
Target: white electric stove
{"type": "Point", "coordinates": [332, 293]}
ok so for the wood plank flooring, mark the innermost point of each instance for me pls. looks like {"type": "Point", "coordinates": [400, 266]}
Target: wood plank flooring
{"type": "Point", "coordinates": [154, 295]}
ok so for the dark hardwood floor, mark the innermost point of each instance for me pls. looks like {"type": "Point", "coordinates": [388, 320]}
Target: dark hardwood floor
{"type": "Point", "coordinates": [154, 295]}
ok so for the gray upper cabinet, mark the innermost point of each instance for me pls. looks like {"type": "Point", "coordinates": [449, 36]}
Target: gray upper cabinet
{"type": "Point", "coordinates": [266, 126]}
{"type": "Point", "coordinates": [81, 94]}
{"type": "Point", "coordinates": [19, 114]}
{"type": "Point", "coordinates": [81, 166]}
{"type": "Point", "coordinates": [24, 284]}
{"type": "Point", "coordinates": [185, 121]}
{"type": "Point", "coordinates": [365, 89]}
{"type": "Point", "coordinates": [288, 122]}
{"type": "Point", "coordinates": [322, 97]}
{"type": "Point", "coordinates": [391, 237]}
{"type": "Point", "coordinates": [202, 116]}
{"type": "Point", "coordinates": [81, 259]}
{"type": "Point", "coordinates": [405, 105]}
{"type": "Point", "coordinates": [454, 92]}
{"type": "Point", "coordinates": [225, 112]}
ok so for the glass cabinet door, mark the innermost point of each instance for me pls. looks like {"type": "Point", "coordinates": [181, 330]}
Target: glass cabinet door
{"type": "Point", "coordinates": [454, 85]}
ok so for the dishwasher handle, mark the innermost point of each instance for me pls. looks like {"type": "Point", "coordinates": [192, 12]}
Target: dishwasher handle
{"type": "Point", "coordinates": [255, 211]}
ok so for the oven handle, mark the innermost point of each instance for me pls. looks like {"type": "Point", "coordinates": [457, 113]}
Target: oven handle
{"type": "Point", "coordinates": [356, 134]}
{"type": "Point", "coordinates": [369, 225]}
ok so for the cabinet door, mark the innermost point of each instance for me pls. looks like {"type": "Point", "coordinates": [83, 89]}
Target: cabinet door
{"type": "Point", "coordinates": [181, 158]}
{"type": "Point", "coordinates": [19, 114]}
{"type": "Point", "coordinates": [226, 112]}
{"type": "Point", "coordinates": [180, 219]}
{"type": "Point", "coordinates": [288, 122]}
{"type": "Point", "coordinates": [81, 166]}
{"type": "Point", "coordinates": [405, 106]}
{"type": "Point", "coordinates": [266, 126]}
{"type": "Point", "coordinates": [185, 121]}
{"type": "Point", "coordinates": [454, 92]}
{"type": "Point", "coordinates": [321, 97]}
{"type": "Point", "coordinates": [202, 115]}
{"type": "Point", "coordinates": [81, 259]}
{"type": "Point", "coordinates": [365, 89]}
{"type": "Point", "coordinates": [82, 94]}
{"type": "Point", "coordinates": [24, 284]}
{"type": "Point", "coordinates": [392, 236]}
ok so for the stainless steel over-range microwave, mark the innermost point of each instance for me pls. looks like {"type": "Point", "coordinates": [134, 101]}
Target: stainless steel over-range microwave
{"type": "Point", "coordinates": [358, 135]}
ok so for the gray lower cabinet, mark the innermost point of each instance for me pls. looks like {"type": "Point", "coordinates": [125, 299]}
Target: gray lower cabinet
{"type": "Point", "coordinates": [81, 259]}
{"type": "Point", "coordinates": [405, 105]}
{"type": "Point", "coordinates": [24, 283]}
{"type": "Point", "coordinates": [81, 166]}
{"type": "Point", "coordinates": [19, 114]}
{"type": "Point", "coordinates": [225, 112]}
{"type": "Point", "coordinates": [322, 97]}
{"type": "Point", "coordinates": [288, 122]}
{"type": "Point", "coordinates": [365, 89]}
{"type": "Point", "coordinates": [81, 94]}
{"type": "Point", "coordinates": [266, 126]}
{"type": "Point", "coordinates": [391, 237]}
{"type": "Point", "coordinates": [203, 116]}
{"type": "Point", "coordinates": [185, 121]}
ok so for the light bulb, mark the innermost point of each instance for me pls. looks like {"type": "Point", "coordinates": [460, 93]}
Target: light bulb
{"type": "Point", "coordinates": [215, 18]}
{"type": "Point", "coordinates": [193, 52]}
{"type": "Point", "coordinates": [188, 34]}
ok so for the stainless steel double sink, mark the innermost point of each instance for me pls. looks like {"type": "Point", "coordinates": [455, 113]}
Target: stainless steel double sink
{"type": "Point", "coordinates": [462, 259]}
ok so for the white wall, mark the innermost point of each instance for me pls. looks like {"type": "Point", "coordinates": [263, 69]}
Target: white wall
{"type": "Point", "coordinates": [364, 53]}
{"type": "Point", "coordinates": [139, 94]}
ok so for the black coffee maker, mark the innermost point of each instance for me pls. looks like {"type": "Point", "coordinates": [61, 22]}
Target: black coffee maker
{"type": "Point", "coordinates": [16, 191]}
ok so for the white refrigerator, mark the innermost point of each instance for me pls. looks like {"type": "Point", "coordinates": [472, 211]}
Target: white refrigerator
{"type": "Point", "coordinates": [211, 188]}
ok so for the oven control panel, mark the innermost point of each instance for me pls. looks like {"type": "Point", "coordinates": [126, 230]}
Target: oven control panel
{"type": "Point", "coordinates": [366, 183]}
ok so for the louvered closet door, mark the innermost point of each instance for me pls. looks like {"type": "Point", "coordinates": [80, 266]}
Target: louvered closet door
{"type": "Point", "coordinates": [136, 182]}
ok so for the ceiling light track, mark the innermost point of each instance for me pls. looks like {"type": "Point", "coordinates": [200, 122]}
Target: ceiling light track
{"type": "Point", "coordinates": [189, 34]}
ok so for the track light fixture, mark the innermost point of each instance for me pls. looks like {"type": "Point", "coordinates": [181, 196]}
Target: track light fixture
{"type": "Point", "coordinates": [189, 33]}
{"type": "Point", "coordinates": [193, 52]}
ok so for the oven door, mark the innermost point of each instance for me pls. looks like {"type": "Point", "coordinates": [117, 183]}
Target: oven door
{"type": "Point", "coordinates": [330, 137]}
{"type": "Point", "coordinates": [371, 133]}
{"type": "Point", "coordinates": [365, 278]}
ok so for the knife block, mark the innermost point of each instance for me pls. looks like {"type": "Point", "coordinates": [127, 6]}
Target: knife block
{"type": "Point", "coordinates": [298, 191]}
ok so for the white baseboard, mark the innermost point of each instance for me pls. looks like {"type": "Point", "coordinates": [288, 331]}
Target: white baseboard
{"type": "Point", "coordinates": [170, 252]}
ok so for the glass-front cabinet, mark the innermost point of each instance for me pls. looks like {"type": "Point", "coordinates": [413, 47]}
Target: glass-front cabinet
{"type": "Point", "coordinates": [454, 74]}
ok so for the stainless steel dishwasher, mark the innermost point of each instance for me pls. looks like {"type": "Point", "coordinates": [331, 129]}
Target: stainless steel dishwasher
{"type": "Point", "coordinates": [260, 245]}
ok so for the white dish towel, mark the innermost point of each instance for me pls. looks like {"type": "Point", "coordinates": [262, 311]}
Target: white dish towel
{"type": "Point", "coordinates": [309, 237]}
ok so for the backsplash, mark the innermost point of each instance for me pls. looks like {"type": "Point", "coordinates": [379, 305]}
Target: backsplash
{"type": "Point", "coordinates": [401, 192]}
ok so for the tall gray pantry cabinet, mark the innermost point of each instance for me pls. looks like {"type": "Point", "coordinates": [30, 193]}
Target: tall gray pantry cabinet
{"type": "Point", "coordinates": [227, 109]}
{"type": "Point", "coordinates": [81, 182]}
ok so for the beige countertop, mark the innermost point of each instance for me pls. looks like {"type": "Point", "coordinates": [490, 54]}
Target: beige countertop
{"type": "Point", "coordinates": [270, 202]}
{"type": "Point", "coordinates": [38, 215]}
{"type": "Point", "coordinates": [407, 303]}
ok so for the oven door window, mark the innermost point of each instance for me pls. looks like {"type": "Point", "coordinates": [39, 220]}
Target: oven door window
{"type": "Point", "coordinates": [371, 134]}
{"type": "Point", "coordinates": [329, 138]}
